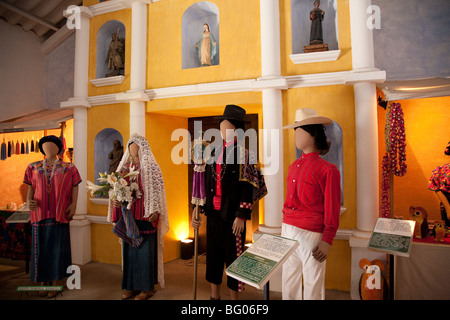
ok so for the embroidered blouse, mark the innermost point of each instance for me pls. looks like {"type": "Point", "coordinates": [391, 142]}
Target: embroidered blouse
{"type": "Point", "coordinates": [313, 198]}
{"type": "Point", "coordinates": [440, 179]}
{"type": "Point", "coordinates": [52, 198]}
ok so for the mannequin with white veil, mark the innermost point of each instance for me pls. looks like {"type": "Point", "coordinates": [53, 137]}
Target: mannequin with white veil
{"type": "Point", "coordinates": [142, 227]}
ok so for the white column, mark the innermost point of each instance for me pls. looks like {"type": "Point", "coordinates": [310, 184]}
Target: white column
{"type": "Point", "coordinates": [362, 36]}
{"type": "Point", "coordinates": [270, 38]}
{"type": "Point", "coordinates": [367, 184]}
{"type": "Point", "coordinates": [80, 227]}
{"type": "Point", "coordinates": [365, 118]}
{"type": "Point", "coordinates": [273, 151]}
{"type": "Point", "coordinates": [271, 83]}
{"type": "Point", "coordinates": [136, 95]}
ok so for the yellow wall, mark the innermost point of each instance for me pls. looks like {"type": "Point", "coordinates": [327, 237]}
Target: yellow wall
{"type": "Point", "coordinates": [240, 50]}
{"type": "Point", "coordinates": [427, 135]}
{"type": "Point", "coordinates": [159, 130]}
{"type": "Point", "coordinates": [96, 23]}
{"type": "Point", "coordinates": [239, 41]}
{"type": "Point", "coordinates": [344, 61]}
{"type": "Point", "coordinates": [104, 244]}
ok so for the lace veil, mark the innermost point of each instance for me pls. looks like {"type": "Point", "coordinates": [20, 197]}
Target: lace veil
{"type": "Point", "coordinates": [154, 194]}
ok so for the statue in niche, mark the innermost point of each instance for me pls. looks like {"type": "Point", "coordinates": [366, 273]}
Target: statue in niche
{"type": "Point", "coordinates": [115, 156]}
{"type": "Point", "coordinates": [316, 16]}
{"type": "Point", "coordinates": [116, 55]}
{"type": "Point", "coordinates": [206, 47]}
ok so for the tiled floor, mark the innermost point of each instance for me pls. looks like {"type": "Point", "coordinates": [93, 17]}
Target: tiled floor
{"type": "Point", "coordinates": [101, 281]}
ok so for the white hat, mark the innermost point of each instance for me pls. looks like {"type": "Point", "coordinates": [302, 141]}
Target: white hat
{"type": "Point", "coordinates": [306, 116]}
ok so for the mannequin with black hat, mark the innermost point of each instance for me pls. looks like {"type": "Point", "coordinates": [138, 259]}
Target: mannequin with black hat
{"type": "Point", "coordinates": [311, 210]}
{"type": "Point", "coordinates": [52, 199]}
{"type": "Point", "coordinates": [231, 190]}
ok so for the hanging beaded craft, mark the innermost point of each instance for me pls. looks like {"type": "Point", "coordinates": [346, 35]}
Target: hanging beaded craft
{"type": "Point", "coordinates": [394, 160]}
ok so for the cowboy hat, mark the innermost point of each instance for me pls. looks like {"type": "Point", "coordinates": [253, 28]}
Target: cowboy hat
{"type": "Point", "coordinates": [305, 116]}
{"type": "Point", "coordinates": [233, 112]}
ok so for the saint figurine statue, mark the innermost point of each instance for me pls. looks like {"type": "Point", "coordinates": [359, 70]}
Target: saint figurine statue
{"type": "Point", "coordinates": [206, 47]}
{"type": "Point", "coordinates": [316, 15]}
{"type": "Point", "coordinates": [116, 55]}
{"type": "Point", "coordinates": [115, 156]}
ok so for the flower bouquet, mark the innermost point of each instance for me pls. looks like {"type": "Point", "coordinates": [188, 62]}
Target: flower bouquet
{"type": "Point", "coordinates": [116, 186]}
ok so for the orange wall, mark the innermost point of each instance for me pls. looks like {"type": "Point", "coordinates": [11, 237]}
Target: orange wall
{"type": "Point", "coordinates": [427, 135]}
{"type": "Point", "coordinates": [12, 188]}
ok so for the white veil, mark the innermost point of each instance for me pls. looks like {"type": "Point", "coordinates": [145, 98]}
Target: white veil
{"type": "Point", "coordinates": [154, 194]}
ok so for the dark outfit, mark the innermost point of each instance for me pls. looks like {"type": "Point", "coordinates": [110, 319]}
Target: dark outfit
{"type": "Point", "coordinates": [238, 192]}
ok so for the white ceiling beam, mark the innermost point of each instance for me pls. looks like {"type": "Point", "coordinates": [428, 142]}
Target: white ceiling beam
{"type": "Point", "coordinates": [28, 15]}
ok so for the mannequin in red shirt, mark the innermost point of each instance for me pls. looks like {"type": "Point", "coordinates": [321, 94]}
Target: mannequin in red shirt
{"type": "Point", "coordinates": [311, 210]}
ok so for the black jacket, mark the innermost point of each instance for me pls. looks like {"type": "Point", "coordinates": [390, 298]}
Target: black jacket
{"type": "Point", "coordinates": [237, 196]}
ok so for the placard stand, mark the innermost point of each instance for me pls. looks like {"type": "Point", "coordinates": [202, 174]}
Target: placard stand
{"type": "Point", "coordinates": [23, 215]}
{"type": "Point", "coordinates": [256, 265]}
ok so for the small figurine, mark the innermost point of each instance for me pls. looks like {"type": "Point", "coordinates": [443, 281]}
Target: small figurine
{"type": "Point", "coordinates": [371, 287]}
{"type": "Point", "coordinates": [419, 215]}
{"type": "Point", "coordinates": [316, 15]}
{"type": "Point", "coordinates": [116, 55]}
{"type": "Point", "coordinates": [206, 48]}
{"type": "Point", "coordinates": [439, 231]}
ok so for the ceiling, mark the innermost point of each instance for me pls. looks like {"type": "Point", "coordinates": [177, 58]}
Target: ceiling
{"type": "Point", "coordinates": [40, 120]}
{"type": "Point", "coordinates": [43, 17]}
{"type": "Point", "coordinates": [415, 89]}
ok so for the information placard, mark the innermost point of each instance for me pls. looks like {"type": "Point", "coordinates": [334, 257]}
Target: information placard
{"type": "Point", "coordinates": [22, 215]}
{"type": "Point", "coordinates": [393, 236]}
{"type": "Point", "coordinates": [259, 262]}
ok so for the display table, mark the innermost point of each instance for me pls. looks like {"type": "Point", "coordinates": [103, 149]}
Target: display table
{"type": "Point", "coordinates": [15, 239]}
{"type": "Point", "coordinates": [424, 275]}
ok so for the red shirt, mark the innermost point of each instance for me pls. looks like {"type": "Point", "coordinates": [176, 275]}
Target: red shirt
{"type": "Point", "coordinates": [313, 198]}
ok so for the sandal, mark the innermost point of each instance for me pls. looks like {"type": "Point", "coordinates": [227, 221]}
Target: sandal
{"type": "Point", "coordinates": [144, 295]}
{"type": "Point", "coordinates": [127, 294]}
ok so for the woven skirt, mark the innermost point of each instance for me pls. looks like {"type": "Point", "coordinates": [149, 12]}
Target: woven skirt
{"type": "Point", "coordinates": [50, 250]}
{"type": "Point", "coordinates": [140, 264]}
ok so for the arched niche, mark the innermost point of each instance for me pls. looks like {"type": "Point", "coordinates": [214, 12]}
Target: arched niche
{"type": "Point", "coordinates": [104, 37]}
{"type": "Point", "coordinates": [301, 24]}
{"type": "Point", "coordinates": [103, 145]}
{"type": "Point", "coordinates": [335, 155]}
{"type": "Point", "coordinates": [192, 29]}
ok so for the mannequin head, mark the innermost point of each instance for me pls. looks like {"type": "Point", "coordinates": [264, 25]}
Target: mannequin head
{"type": "Point", "coordinates": [311, 138]}
{"type": "Point", "coordinates": [134, 151]}
{"type": "Point", "coordinates": [50, 140]}
{"type": "Point", "coordinates": [227, 130]}
{"type": "Point", "coordinates": [50, 149]}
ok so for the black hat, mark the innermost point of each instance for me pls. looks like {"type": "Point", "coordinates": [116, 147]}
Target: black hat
{"type": "Point", "coordinates": [233, 112]}
{"type": "Point", "coordinates": [53, 139]}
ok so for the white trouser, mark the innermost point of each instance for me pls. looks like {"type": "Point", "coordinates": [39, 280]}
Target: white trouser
{"type": "Point", "coordinates": [301, 262]}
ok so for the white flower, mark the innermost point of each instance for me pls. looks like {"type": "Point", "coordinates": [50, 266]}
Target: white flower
{"type": "Point", "coordinates": [93, 187]}
{"type": "Point", "coordinates": [103, 177]}
{"type": "Point", "coordinates": [112, 179]}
